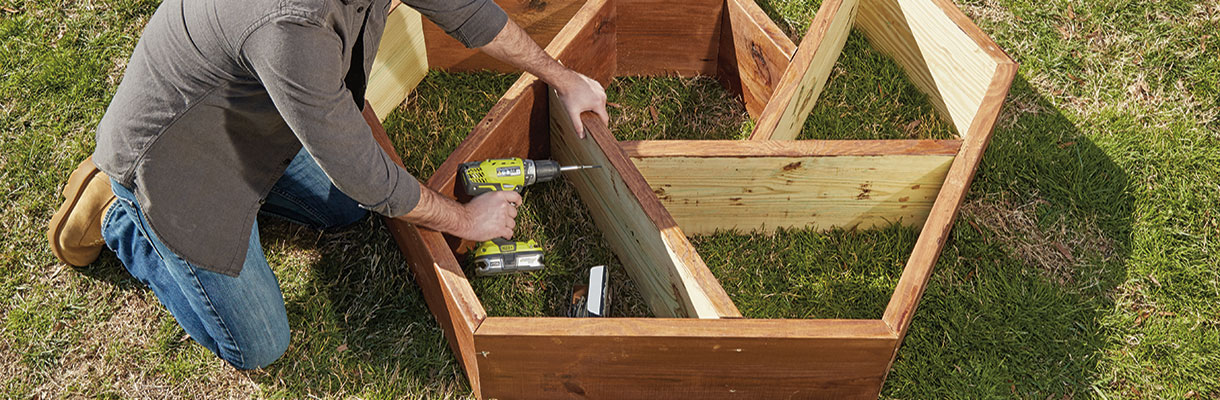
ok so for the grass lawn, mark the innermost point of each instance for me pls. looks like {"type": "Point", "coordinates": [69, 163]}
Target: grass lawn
{"type": "Point", "coordinates": [1085, 262]}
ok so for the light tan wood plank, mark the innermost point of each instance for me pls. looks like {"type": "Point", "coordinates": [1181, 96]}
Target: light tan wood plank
{"type": "Point", "coordinates": [663, 264]}
{"type": "Point", "coordinates": [944, 54]}
{"type": "Point", "coordinates": [806, 75]}
{"type": "Point", "coordinates": [787, 148]}
{"type": "Point", "coordinates": [762, 53]}
{"type": "Point", "coordinates": [706, 194]}
{"type": "Point", "coordinates": [637, 358]}
{"type": "Point", "coordinates": [401, 61]}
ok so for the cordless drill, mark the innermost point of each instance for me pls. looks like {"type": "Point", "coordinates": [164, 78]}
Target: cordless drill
{"type": "Point", "coordinates": [500, 256]}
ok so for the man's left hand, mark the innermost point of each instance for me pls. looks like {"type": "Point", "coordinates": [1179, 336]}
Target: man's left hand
{"type": "Point", "coordinates": [580, 93]}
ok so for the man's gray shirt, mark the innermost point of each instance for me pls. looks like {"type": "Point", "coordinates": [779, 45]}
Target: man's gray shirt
{"type": "Point", "coordinates": [219, 96]}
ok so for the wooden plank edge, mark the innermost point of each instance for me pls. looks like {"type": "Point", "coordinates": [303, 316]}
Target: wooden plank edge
{"type": "Point", "coordinates": [818, 43]}
{"type": "Point", "coordinates": [787, 148]}
{"type": "Point", "coordinates": [401, 63]}
{"type": "Point", "coordinates": [688, 327]}
{"type": "Point", "coordinates": [674, 239]}
{"type": "Point", "coordinates": [526, 94]}
{"type": "Point", "coordinates": [981, 39]}
{"type": "Point", "coordinates": [758, 44]}
{"type": "Point", "coordinates": [701, 291]}
{"type": "Point", "coordinates": [683, 358]}
{"type": "Point", "coordinates": [913, 282]}
{"type": "Point", "coordinates": [726, 58]}
{"type": "Point", "coordinates": [449, 296]}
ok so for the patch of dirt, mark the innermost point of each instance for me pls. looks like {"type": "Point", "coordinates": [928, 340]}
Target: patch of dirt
{"type": "Point", "coordinates": [1055, 249]}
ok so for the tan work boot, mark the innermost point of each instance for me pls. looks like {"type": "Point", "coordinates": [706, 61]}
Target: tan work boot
{"type": "Point", "coordinates": [75, 231]}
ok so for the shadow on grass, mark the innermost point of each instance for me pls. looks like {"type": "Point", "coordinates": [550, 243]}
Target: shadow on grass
{"type": "Point", "coordinates": [1015, 305]}
{"type": "Point", "coordinates": [360, 326]}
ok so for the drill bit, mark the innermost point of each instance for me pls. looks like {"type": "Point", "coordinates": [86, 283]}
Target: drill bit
{"type": "Point", "coordinates": [577, 167]}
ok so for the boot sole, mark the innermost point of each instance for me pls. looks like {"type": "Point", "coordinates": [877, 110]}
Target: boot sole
{"type": "Point", "coordinates": [72, 192]}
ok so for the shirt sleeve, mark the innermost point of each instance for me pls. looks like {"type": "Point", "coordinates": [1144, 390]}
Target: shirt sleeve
{"type": "Point", "coordinates": [299, 62]}
{"type": "Point", "coordinates": [472, 22]}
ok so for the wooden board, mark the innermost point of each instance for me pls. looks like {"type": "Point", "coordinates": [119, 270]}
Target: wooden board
{"type": "Point", "coordinates": [401, 61]}
{"type": "Point", "coordinates": [787, 148]}
{"type": "Point", "coordinates": [764, 185]}
{"type": "Point", "coordinates": [806, 75]}
{"type": "Point", "coordinates": [441, 280]}
{"type": "Point", "coordinates": [668, 272]}
{"type": "Point", "coordinates": [945, 55]}
{"type": "Point", "coordinates": [936, 230]}
{"type": "Point", "coordinates": [761, 52]}
{"type": "Point", "coordinates": [666, 37]}
{"type": "Point", "coordinates": [518, 124]}
{"type": "Point", "coordinates": [726, 58]}
{"type": "Point", "coordinates": [638, 358]}
{"type": "Point", "coordinates": [542, 20]}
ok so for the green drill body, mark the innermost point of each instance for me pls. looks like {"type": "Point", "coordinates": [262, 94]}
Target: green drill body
{"type": "Point", "coordinates": [501, 256]}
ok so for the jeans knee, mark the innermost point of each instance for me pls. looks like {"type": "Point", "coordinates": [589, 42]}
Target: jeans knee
{"type": "Point", "coordinates": [345, 218]}
{"type": "Point", "coordinates": [261, 352]}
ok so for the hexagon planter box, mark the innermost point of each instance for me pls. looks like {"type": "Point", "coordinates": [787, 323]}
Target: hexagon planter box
{"type": "Point", "coordinates": [651, 194]}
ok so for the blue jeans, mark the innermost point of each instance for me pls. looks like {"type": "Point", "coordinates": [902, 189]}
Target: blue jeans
{"type": "Point", "coordinates": [241, 319]}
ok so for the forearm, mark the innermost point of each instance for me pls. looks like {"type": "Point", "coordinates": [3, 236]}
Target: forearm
{"type": "Point", "coordinates": [579, 93]}
{"type": "Point", "coordinates": [513, 46]}
{"type": "Point", "coordinates": [438, 212]}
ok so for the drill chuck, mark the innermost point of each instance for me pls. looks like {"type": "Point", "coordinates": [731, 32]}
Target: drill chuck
{"type": "Point", "coordinates": [544, 170]}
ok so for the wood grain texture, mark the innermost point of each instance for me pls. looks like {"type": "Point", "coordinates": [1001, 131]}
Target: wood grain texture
{"type": "Point", "coordinates": [448, 294]}
{"type": "Point", "coordinates": [806, 75]}
{"type": "Point", "coordinates": [638, 358]}
{"type": "Point", "coordinates": [936, 230]}
{"type": "Point", "coordinates": [945, 55]}
{"type": "Point", "coordinates": [670, 275]}
{"type": "Point", "coordinates": [518, 124]}
{"type": "Point", "coordinates": [787, 148]}
{"type": "Point", "coordinates": [761, 53]}
{"type": "Point", "coordinates": [542, 20]}
{"type": "Point", "coordinates": [726, 58]}
{"type": "Point", "coordinates": [706, 194]}
{"type": "Point", "coordinates": [401, 61]}
{"type": "Point", "coordinates": [665, 37]}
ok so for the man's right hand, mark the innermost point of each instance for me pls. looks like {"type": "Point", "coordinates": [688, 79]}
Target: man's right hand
{"type": "Point", "coordinates": [485, 217]}
{"type": "Point", "coordinates": [489, 216]}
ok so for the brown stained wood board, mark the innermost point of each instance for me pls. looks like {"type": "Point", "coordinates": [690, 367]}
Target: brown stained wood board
{"type": "Point", "coordinates": [445, 289]}
{"type": "Point", "coordinates": [726, 57]}
{"type": "Point", "coordinates": [665, 38]}
{"type": "Point", "coordinates": [803, 80]}
{"type": "Point", "coordinates": [914, 279]}
{"type": "Point", "coordinates": [640, 358]}
{"type": "Point", "coordinates": [517, 126]}
{"type": "Point", "coordinates": [542, 20]}
{"type": "Point", "coordinates": [760, 52]}
{"type": "Point", "coordinates": [714, 352]}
